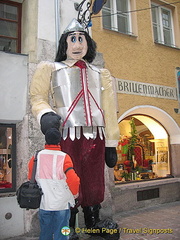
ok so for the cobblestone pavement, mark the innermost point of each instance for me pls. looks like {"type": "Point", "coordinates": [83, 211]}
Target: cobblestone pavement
{"type": "Point", "coordinates": [160, 222]}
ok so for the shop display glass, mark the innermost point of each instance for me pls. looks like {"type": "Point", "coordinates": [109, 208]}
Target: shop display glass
{"type": "Point", "coordinates": [143, 150]}
{"type": "Point", "coordinates": [7, 157]}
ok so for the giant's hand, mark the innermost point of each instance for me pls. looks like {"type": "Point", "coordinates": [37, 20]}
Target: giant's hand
{"type": "Point", "coordinates": [49, 120]}
{"type": "Point", "coordinates": [110, 156]}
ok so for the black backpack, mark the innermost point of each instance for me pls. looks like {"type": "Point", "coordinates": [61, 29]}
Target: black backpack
{"type": "Point", "coordinates": [29, 193]}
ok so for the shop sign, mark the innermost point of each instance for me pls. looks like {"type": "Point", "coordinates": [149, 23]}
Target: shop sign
{"type": "Point", "coordinates": [146, 89]}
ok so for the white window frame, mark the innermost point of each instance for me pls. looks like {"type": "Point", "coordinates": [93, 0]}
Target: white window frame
{"type": "Point", "coordinates": [113, 11]}
{"type": "Point", "coordinates": [160, 27]}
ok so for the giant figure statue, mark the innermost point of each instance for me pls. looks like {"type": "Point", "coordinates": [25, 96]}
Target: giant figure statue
{"type": "Point", "coordinates": [84, 108]}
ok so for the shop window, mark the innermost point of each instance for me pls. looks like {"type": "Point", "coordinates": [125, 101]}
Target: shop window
{"type": "Point", "coordinates": [10, 26]}
{"type": "Point", "coordinates": [7, 158]}
{"type": "Point", "coordinates": [162, 25]}
{"type": "Point", "coordinates": [117, 16]}
{"type": "Point", "coordinates": [143, 150]}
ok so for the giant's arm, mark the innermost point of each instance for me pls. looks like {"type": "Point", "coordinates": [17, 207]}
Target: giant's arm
{"type": "Point", "coordinates": [110, 112]}
{"type": "Point", "coordinates": [40, 88]}
{"type": "Point", "coordinates": [39, 92]}
{"type": "Point", "coordinates": [110, 109]}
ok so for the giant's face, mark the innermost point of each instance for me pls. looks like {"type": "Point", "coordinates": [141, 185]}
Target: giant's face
{"type": "Point", "coordinates": [76, 46]}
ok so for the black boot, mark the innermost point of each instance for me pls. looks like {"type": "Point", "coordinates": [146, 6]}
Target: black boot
{"type": "Point", "coordinates": [73, 235]}
{"type": "Point", "coordinates": [91, 215]}
{"type": "Point", "coordinates": [108, 229]}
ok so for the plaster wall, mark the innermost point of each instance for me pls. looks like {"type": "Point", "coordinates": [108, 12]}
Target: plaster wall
{"type": "Point", "coordinates": [29, 29]}
{"type": "Point", "coordinates": [46, 17]}
{"type": "Point", "coordinates": [67, 13]}
{"type": "Point", "coordinates": [13, 84]}
{"type": "Point", "coordinates": [11, 221]}
{"type": "Point", "coordinates": [39, 30]}
{"type": "Point", "coordinates": [137, 58]}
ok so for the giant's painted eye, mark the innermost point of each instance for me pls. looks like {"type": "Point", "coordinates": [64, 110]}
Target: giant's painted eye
{"type": "Point", "coordinates": [73, 39]}
{"type": "Point", "coordinates": [80, 39]}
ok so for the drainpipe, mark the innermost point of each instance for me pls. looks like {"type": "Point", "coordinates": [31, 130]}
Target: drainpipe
{"type": "Point", "coordinates": [57, 22]}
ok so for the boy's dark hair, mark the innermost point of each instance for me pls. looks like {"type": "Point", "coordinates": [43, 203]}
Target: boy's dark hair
{"type": "Point", "coordinates": [61, 53]}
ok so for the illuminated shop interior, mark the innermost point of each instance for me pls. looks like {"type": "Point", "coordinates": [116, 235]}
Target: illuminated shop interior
{"type": "Point", "coordinates": [5, 157]}
{"type": "Point", "coordinates": [143, 150]}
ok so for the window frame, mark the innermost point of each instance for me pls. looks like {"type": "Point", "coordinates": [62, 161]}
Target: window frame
{"type": "Point", "coordinates": [18, 21]}
{"type": "Point", "coordinates": [159, 24]}
{"type": "Point", "coordinates": [13, 155]}
{"type": "Point", "coordinates": [115, 13]}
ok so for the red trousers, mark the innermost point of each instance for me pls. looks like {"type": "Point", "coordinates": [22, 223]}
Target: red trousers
{"type": "Point", "coordinates": [88, 156]}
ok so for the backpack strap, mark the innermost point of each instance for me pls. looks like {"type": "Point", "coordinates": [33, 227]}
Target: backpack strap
{"type": "Point", "coordinates": [32, 180]}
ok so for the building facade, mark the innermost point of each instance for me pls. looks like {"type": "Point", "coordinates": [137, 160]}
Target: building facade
{"type": "Point", "coordinates": [139, 42]}
{"type": "Point", "coordinates": [141, 48]}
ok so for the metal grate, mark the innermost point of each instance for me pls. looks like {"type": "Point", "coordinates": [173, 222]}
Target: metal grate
{"type": "Point", "coordinates": [147, 194]}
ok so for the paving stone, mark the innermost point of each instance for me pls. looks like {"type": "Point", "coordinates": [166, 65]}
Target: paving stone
{"type": "Point", "coordinates": [165, 216]}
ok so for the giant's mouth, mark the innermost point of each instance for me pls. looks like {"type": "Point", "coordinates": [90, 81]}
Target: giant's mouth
{"type": "Point", "coordinates": [76, 52]}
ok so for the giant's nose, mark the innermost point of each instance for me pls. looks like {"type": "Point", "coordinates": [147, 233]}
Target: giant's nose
{"type": "Point", "coordinates": [77, 45]}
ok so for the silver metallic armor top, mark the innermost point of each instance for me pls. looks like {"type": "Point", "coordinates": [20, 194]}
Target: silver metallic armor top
{"type": "Point", "coordinates": [74, 26]}
{"type": "Point", "coordinates": [77, 96]}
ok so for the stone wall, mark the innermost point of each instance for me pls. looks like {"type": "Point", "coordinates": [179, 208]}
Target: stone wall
{"type": "Point", "coordinates": [175, 155]}
{"type": "Point", "coordinates": [125, 195]}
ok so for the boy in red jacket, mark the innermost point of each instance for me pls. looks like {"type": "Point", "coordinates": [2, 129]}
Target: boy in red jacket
{"type": "Point", "coordinates": [60, 186]}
